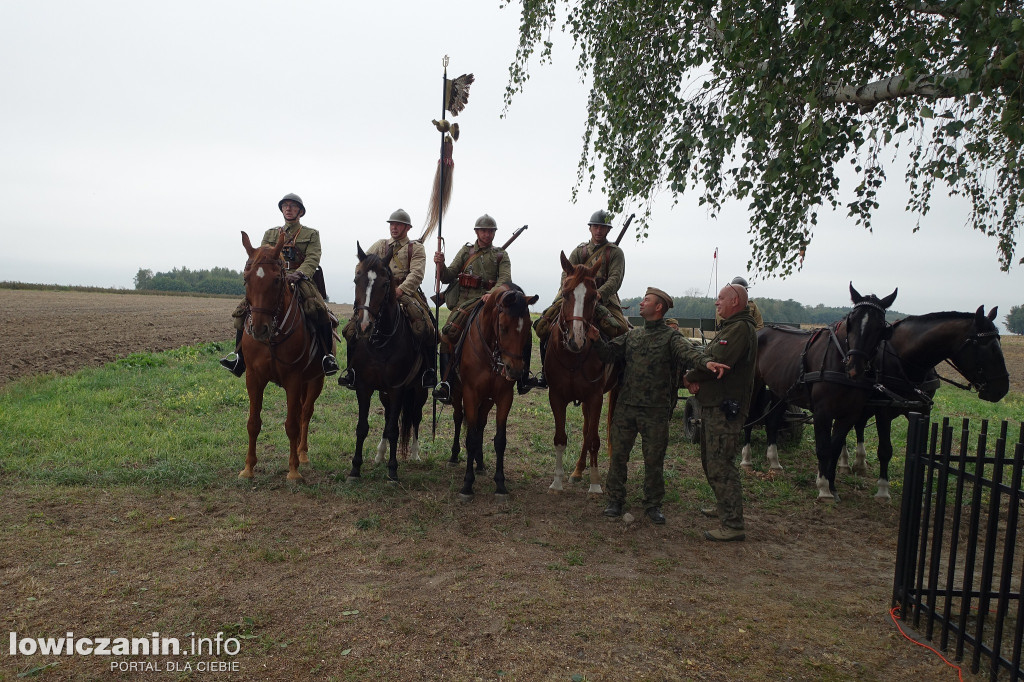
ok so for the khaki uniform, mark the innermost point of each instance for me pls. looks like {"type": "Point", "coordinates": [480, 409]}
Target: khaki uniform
{"type": "Point", "coordinates": [654, 355]}
{"type": "Point", "coordinates": [736, 346]}
{"type": "Point", "coordinates": [408, 265]}
{"type": "Point", "coordinates": [608, 312]}
{"type": "Point", "coordinates": [305, 258]}
{"type": "Point", "coordinates": [490, 265]}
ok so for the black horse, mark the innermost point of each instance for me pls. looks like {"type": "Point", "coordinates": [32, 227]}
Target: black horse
{"type": "Point", "coordinates": [825, 371]}
{"type": "Point", "coordinates": [906, 370]}
{"type": "Point", "coordinates": [386, 357]}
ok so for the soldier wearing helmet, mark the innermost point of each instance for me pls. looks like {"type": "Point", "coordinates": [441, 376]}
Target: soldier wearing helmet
{"type": "Point", "coordinates": [408, 265]}
{"type": "Point", "coordinates": [608, 312]}
{"type": "Point", "coordinates": [302, 253]}
{"type": "Point", "coordinates": [478, 269]}
{"type": "Point", "coordinates": [751, 306]}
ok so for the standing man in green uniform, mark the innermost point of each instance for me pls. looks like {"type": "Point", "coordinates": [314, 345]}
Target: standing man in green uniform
{"type": "Point", "coordinates": [608, 312]}
{"type": "Point", "coordinates": [751, 306]}
{"type": "Point", "coordinates": [654, 355]}
{"type": "Point", "coordinates": [478, 270]}
{"type": "Point", "coordinates": [302, 253]}
{"type": "Point", "coordinates": [408, 265]}
{"type": "Point", "coordinates": [724, 405]}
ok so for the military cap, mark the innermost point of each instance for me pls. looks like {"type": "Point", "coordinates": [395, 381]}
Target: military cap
{"type": "Point", "coordinates": [739, 280]}
{"type": "Point", "coordinates": [662, 295]}
{"type": "Point", "coordinates": [485, 222]}
{"type": "Point", "coordinates": [296, 199]}
{"type": "Point", "coordinates": [671, 321]}
{"type": "Point", "coordinates": [400, 216]}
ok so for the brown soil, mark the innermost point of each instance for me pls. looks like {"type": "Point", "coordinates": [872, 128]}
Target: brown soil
{"type": "Point", "coordinates": [410, 584]}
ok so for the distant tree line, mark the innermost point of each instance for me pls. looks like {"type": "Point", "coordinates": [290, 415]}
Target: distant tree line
{"type": "Point", "coordinates": [183, 280]}
{"type": "Point", "coordinates": [772, 310]}
{"type": "Point", "coordinates": [1015, 320]}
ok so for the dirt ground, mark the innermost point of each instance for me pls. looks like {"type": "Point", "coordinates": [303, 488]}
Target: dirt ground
{"type": "Point", "coordinates": [319, 585]}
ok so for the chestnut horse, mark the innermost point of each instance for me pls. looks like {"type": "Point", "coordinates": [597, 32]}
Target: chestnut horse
{"type": "Point", "coordinates": [386, 357]}
{"type": "Point", "coordinates": [575, 373]}
{"type": "Point", "coordinates": [825, 372]}
{"type": "Point", "coordinates": [490, 362]}
{"type": "Point", "coordinates": [278, 347]}
{"type": "Point", "coordinates": [968, 341]}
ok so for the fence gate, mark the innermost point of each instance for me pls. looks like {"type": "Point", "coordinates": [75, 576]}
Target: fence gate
{"type": "Point", "coordinates": [960, 559]}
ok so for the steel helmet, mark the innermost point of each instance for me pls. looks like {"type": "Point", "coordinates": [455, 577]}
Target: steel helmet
{"type": "Point", "coordinates": [602, 218]}
{"type": "Point", "coordinates": [296, 199]}
{"type": "Point", "coordinates": [739, 280]}
{"type": "Point", "coordinates": [485, 222]}
{"type": "Point", "coordinates": [400, 216]}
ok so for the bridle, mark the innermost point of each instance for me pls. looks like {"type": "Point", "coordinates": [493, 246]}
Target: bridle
{"type": "Point", "coordinates": [281, 327]}
{"type": "Point", "coordinates": [378, 337]}
{"type": "Point", "coordinates": [851, 353]}
{"type": "Point", "coordinates": [563, 326]}
{"type": "Point", "coordinates": [974, 340]}
{"type": "Point", "coordinates": [496, 355]}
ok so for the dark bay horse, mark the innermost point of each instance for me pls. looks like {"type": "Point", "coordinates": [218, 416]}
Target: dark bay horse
{"type": "Point", "coordinates": [575, 373]}
{"type": "Point", "coordinates": [825, 372]}
{"type": "Point", "coordinates": [386, 358]}
{"type": "Point", "coordinates": [278, 347]}
{"type": "Point", "coordinates": [490, 361]}
{"type": "Point", "coordinates": [906, 369]}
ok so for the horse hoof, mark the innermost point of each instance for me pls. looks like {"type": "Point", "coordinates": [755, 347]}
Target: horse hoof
{"type": "Point", "coordinates": [749, 468]}
{"type": "Point", "coordinates": [777, 469]}
{"type": "Point", "coordinates": [595, 489]}
{"type": "Point", "coordinates": [245, 473]}
{"type": "Point", "coordinates": [463, 497]}
{"type": "Point", "coordinates": [303, 459]}
{"type": "Point", "coordinates": [297, 478]}
{"type": "Point", "coordinates": [352, 479]}
{"type": "Point", "coordinates": [392, 481]}
{"type": "Point", "coordinates": [501, 498]}
{"type": "Point", "coordinates": [552, 490]}
{"type": "Point", "coordinates": [453, 463]}
{"type": "Point", "coordinates": [576, 479]}
{"type": "Point", "coordinates": [843, 470]}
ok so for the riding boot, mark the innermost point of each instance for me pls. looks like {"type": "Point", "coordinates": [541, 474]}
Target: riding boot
{"type": "Point", "coordinates": [429, 376]}
{"type": "Point", "coordinates": [540, 379]}
{"type": "Point", "coordinates": [235, 365]}
{"type": "Point", "coordinates": [348, 377]}
{"type": "Point", "coordinates": [330, 364]}
{"type": "Point", "coordinates": [443, 391]}
{"type": "Point", "coordinates": [527, 381]}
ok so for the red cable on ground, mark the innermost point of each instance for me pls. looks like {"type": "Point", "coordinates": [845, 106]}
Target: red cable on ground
{"type": "Point", "coordinates": [892, 614]}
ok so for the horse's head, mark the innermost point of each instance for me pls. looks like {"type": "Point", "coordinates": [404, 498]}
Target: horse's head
{"type": "Point", "coordinates": [980, 358]}
{"type": "Point", "coordinates": [264, 287]}
{"type": "Point", "coordinates": [373, 286]}
{"type": "Point", "coordinates": [579, 299]}
{"type": "Point", "coordinates": [511, 312]}
{"type": "Point", "coordinates": [865, 329]}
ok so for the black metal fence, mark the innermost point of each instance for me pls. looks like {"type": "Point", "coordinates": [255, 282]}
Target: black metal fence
{"type": "Point", "coordinates": [960, 559]}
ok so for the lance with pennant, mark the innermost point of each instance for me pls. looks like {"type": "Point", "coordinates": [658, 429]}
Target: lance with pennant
{"type": "Point", "coordinates": [454, 95]}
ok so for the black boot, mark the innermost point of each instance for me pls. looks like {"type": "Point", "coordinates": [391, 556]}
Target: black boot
{"type": "Point", "coordinates": [540, 379]}
{"type": "Point", "coordinates": [348, 377]}
{"type": "Point", "coordinates": [443, 391]}
{"type": "Point", "coordinates": [429, 377]}
{"type": "Point", "coordinates": [327, 341]}
{"type": "Point", "coordinates": [527, 381]}
{"type": "Point", "coordinates": [235, 365]}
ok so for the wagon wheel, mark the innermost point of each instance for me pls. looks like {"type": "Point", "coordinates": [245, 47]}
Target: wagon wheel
{"type": "Point", "coordinates": [691, 413]}
{"type": "Point", "coordinates": [792, 432]}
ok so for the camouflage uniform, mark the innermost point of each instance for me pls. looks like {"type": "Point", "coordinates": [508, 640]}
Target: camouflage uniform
{"type": "Point", "coordinates": [736, 346]}
{"type": "Point", "coordinates": [645, 402]}
{"type": "Point", "coordinates": [492, 265]}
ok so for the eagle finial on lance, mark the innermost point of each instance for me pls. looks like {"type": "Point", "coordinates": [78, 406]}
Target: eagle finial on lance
{"type": "Point", "coordinates": [457, 93]}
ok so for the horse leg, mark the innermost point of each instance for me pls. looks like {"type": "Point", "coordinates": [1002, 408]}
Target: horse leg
{"type": "Point", "coordinates": [362, 429]}
{"type": "Point", "coordinates": [859, 467]}
{"type": "Point", "coordinates": [391, 433]}
{"type": "Point", "coordinates": [840, 430]}
{"type": "Point", "coordinates": [474, 444]}
{"type": "Point", "coordinates": [558, 407]}
{"type": "Point", "coordinates": [772, 427]}
{"type": "Point", "coordinates": [382, 446]}
{"type": "Point", "coordinates": [414, 417]}
{"type": "Point", "coordinates": [822, 446]}
{"type": "Point", "coordinates": [312, 392]}
{"type": "Point", "coordinates": [745, 461]}
{"type": "Point", "coordinates": [592, 440]}
{"type": "Point", "coordinates": [255, 422]}
{"type": "Point", "coordinates": [292, 426]}
{"type": "Point", "coordinates": [884, 427]}
{"type": "Point", "coordinates": [503, 406]}
{"type": "Point", "coordinates": [457, 417]}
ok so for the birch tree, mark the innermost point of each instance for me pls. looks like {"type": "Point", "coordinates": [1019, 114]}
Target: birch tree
{"type": "Point", "coordinates": [761, 102]}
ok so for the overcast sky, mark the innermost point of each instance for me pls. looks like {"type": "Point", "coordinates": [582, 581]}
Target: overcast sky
{"type": "Point", "coordinates": [148, 135]}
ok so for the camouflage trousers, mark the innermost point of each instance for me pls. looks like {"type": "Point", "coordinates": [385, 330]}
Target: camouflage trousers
{"type": "Point", "coordinates": [719, 445]}
{"type": "Point", "coordinates": [651, 424]}
{"type": "Point", "coordinates": [611, 321]}
{"type": "Point", "coordinates": [313, 305]}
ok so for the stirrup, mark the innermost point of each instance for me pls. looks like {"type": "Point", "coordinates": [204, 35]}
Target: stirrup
{"type": "Point", "coordinates": [348, 379]}
{"type": "Point", "coordinates": [443, 393]}
{"type": "Point", "coordinates": [330, 365]}
{"type": "Point", "coordinates": [235, 366]}
{"type": "Point", "coordinates": [429, 378]}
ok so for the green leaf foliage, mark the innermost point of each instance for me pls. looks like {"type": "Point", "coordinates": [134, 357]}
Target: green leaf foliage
{"type": "Point", "coordinates": [1015, 319]}
{"type": "Point", "coordinates": [761, 102]}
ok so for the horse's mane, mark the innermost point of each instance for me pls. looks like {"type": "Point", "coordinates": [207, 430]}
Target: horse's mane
{"type": "Point", "coordinates": [373, 262]}
{"type": "Point", "coordinates": [940, 316]}
{"type": "Point", "coordinates": [578, 274]}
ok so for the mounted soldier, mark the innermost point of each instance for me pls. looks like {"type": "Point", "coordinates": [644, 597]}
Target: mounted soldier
{"type": "Point", "coordinates": [608, 313]}
{"type": "Point", "coordinates": [301, 253]}
{"type": "Point", "coordinates": [408, 263]}
{"type": "Point", "coordinates": [478, 269]}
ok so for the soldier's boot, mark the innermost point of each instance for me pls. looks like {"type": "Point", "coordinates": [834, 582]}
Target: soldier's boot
{"type": "Point", "coordinates": [235, 365]}
{"type": "Point", "coordinates": [443, 391]}
{"type": "Point", "coordinates": [429, 376]}
{"type": "Point", "coordinates": [540, 379]}
{"type": "Point", "coordinates": [348, 377]}
{"type": "Point", "coordinates": [329, 363]}
{"type": "Point", "coordinates": [527, 381]}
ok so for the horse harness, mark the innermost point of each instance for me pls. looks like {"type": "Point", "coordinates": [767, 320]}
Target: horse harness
{"type": "Point", "coordinates": [496, 354]}
{"type": "Point", "coordinates": [281, 328]}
